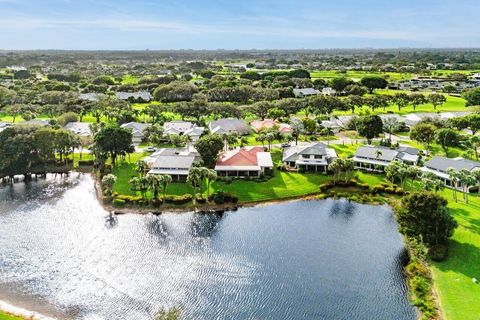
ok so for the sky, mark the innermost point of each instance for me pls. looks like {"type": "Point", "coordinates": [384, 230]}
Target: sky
{"type": "Point", "coordinates": [239, 24]}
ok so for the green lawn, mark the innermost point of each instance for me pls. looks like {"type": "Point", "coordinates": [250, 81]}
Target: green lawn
{"type": "Point", "coordinates": [4, 316]}
{"type": "Point", "coordinates": [459, 296]}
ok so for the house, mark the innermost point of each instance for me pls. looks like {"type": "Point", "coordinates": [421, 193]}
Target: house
{"type": "Point", "coordinates": [329, 91]}
{"type": "Point", "coordinates": [244, 162]}
{"type": "Point", "coordinates": [141, 96]}
{"type": "Point", "coordinates": [195, 133]}
{"type": "Point", "coordinates": [231, 125]}
{"type": "Point", "coordinates": [285, 129]}
{"type": "Point", "coordinates": [305, 92]}
{"type": "Point", "coordinates": [440, 165]}
{"type": "Point", "coordinates": [312, 157]}
{"type": "Point", "coordinates": [175, 162]}
{"type": "Point", "coordinates": [35, 122]}
{"type": "Point", "coordinates": [137, 130]}
{"type": "Point", "coordinates": [90, 96]}
{"type": "Point", "coordinates": [259, 125]}
{"type": "Point", "coordinates": [373, 158]}
{"type": "Point", "coordinates": [176, 127]}
{"type": "Point", "coordinates": [79, 128]}
{"type": "Point", "coordinates": [4, 125]}
{"type": "Point", "coordinates": [332, 125]}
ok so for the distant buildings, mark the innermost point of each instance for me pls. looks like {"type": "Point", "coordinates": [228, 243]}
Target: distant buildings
{"type": "Point", "coordinates": [259, 125]}
{"type": "Point", "coordinates": [305, 92]}
{"type": "Point", "coordinates": [141, 96]}
{"type": "Point", "coordinates": [373, 158]}
{"type": "Point", "coordinates": [244, 162]}
{"type": "Point", "coordinates": [312, 157]}
{"type": "Point", "coordinates": [4, 125]}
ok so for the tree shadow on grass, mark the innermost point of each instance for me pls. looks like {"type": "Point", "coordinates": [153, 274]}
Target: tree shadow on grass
{"type": "Point", "coordinates": [473, 223]}
{"type": "Point", "coordinates": [464, 258]}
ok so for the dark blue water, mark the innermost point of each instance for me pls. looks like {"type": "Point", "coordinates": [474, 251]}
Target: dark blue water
{"type": "Point", "coordinates": [60, 252]}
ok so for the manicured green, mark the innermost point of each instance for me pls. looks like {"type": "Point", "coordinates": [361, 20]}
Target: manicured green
{"type": "Point", "coordinates": [459, 295]}
{"type": "Point", "coordinates": [5, 316]}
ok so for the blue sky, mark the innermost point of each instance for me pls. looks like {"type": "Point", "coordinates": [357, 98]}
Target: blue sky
{"type": "Point", "coordinates": [241, 24]}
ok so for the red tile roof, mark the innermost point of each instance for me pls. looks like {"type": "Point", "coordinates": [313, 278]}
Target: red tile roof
{"type": "Point", "coordinates": [242, 157]}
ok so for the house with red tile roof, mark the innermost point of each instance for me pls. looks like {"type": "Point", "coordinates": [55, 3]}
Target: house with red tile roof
{"type": "Point", "coordinates": [244, 162]}
{"type": "Point", "coordinates": [259, 125]}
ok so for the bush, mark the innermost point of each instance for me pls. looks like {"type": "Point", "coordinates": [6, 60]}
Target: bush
{"type": "Point", "coordinates": [438, 252]}
{"type": "Point", "coordinates": [66, 118]}
{"type": "Point", "coordinates": [118, 203]}
{"type": "Point", "coordinates": [157, 202]}
{"type": "Point", "coordinates": [378, 188]}
{"type": "Point", "coordinates": [86, 163]}
{"type": "Point", "coordinates": [221, 197]}
{"type": "Point", "coordinates": [186, 198]}
{"type": "Point", "coordinates": [200, 199]}
{"type": "Point", "coordinates": [326, 186]}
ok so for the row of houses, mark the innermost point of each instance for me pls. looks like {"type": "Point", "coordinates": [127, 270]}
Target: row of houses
{"type": "Point", "coordinates": [238, 163]}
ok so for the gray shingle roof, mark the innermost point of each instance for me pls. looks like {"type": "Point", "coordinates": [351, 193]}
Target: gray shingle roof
{"type": "Point", "coordinates": [230, 125]}
{"type": "Point", "coordinates": [443, 164]}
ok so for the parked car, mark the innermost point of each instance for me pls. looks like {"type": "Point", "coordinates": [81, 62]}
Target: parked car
{"type": "Point", "coordinates": [286, 145]}
{"type": "Point", "coordinates": [151, 149]}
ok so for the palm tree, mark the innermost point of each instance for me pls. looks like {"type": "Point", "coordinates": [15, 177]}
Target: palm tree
{"type": "Point", "coordinates": [475, 142]}
{"type": "Point", "coordinates": [347, 165]}
{"type": "Point", "coordinates": [453, 176]}
{"type": "Point", "coordinates": [270, 138]}
{"type": "Point", "coordinates": [261, 138]}
{"type": "Point", "coordinates": [335, 167]}
{"type": "Point", "coordinates": [211, 176]}
{"type": "Point", "coordinates": [142, 167]}
{"type": "Point", "coordinates": [194, 177]}
{"type": "Point", "coordinates": [378, 153]}
{"type": "Point", "coordinates": [166, 179]}
{"type": "Point", "coordinates": [467, 180]}
{"type": "Point", "coordinates": [154, 183]}
{"type": "Point", "coordinates": [476, 175]}
{"type": "Point", "coordinates": [413, 172]}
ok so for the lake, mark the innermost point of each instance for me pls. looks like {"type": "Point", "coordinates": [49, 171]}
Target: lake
{"type": "Point", "coordinates": [63, 255]}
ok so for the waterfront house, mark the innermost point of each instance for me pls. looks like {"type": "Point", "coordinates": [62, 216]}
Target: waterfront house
{"type": "Point", "coordinates": [311, 157]}
{"type": "Point", "coordinates": [137, 130]}
{"type": "Point", "coordinates": [244, 162]}
{"type": "Point", "coordinates": [230, 125]}
{"type": "Point", "coordinates": [175, 162]}
{"type": "Point", "coordinates": [439, 166]}
{"type": "Point", "coordinates": [373, 158]}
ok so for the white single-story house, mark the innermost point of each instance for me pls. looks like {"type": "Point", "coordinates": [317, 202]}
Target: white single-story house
{"type": "Point", "coordinates": [231, 125]}
{"type": "Point", "coordinates": [137, 130]}
{"type": "Point", "coordinates": [244, 162]}
{"type": "Point", "coordinates": [176, 127]}
{"type": "Point", "coordinates": [439, 166]}
{"type": "Point", "coordinates": [4, 125]}
{"type": "Point", "coordinates": [175, 162]}
{"type": "Point", "coordinates": [305, 92]}
{"type": "Point", "coordinates": [312, 157]}
{"type": "Point", "coordinates": [79, 128]}
{"type": "Point", "coordinates": [329, 91]}
{"type": "Point", "coordinates": [373, 158]}
{"type": "Point", "coordinates": [134, 96]}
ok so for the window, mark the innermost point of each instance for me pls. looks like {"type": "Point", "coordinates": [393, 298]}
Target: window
{"type": "Point", "coordinates": [305, 156]}
{"type": "Point", "coordinates": [318, 157]}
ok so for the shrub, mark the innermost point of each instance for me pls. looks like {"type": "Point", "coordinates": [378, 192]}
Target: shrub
{"type": "Point", "coordinates": [378, 188]}
{"type": "Point", "coordinates": [301, 170]}
{"type": "Point", "coordinates": [186, 198]}
{"type": "Point", "coordinates": [86, 163]}
{"type": "Point", "coordinates": [438, 252]}
{"type": "Point", "coordinates": [157, 202]}
{"type": "Point", "coordinates": [200, 199]}
{"type": "Point", "coordinates": [118, 203]}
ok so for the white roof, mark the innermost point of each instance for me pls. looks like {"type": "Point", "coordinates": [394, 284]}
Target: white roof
{"type": "Point", "coordinates": [264, 159]}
